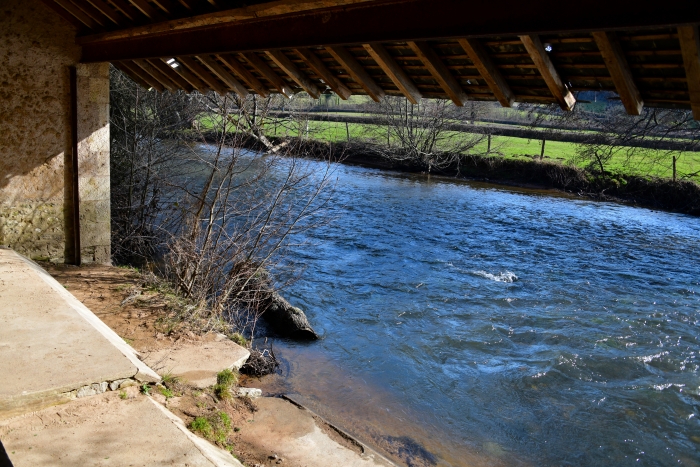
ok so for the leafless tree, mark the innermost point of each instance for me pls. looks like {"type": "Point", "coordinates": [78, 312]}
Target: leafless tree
{"type": "Point", "coordinates": [419, 133]}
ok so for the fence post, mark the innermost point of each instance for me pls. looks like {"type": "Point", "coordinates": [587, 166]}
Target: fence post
{"type": "Point", "coordinates": [674, 168]}
{"type": "Point", "coordinates": [544, 141]}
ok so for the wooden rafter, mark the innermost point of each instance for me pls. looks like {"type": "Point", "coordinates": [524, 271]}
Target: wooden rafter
{"type": "Point", "coordinates": [127, 9]}
{"type": "Point", "coordinates": [620, 72]}
{"type": "Point", "coordinates": [489, 72]}
{"type": "Point", "coordinates": [63, 13]}
{"type": "Point", "coordinates": [689, 37]}
{"type": "Point", "coordinates": [359, 74]}
{"type": "Point", "coordinates": [137, 79]}
{"type": "Point", "coordinates": [157, 75]}
{"type": "Point", "coordinates": [147, 9]}
{"type": "Point", "coordinates": [78, 13]}
{"type": "Point", "coordinates": [330, 79]}
{"type": "Point", "coordinates": [268, 73]}
{"type": "Point", "coordinates": [294, 72]}
{"type": "Point", "coordinates": [203, 74]}
{"type": "Point", "coordinates": [224, 75]}
{"type": "Point", "coordinates": [172, 75]}
{"type": "Point", "coordinates": [190, 77]}
{"type": "Point", "coordinates": [394, 72]}
{"type": "Point", "coordinates": [107, 11]}
{"type": "Point", "coordinates": [549, 73]}
{"type": "Point", "coordinates": [440, 72]}
{"type": "Point", "coordinates": [250, 79]}
{"type": "Point", "coordinates": [138, 71]}
{"type": "Point", "coordinates": [93, 13]}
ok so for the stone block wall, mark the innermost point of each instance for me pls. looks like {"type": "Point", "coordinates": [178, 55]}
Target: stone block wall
{"type": "Point", "coordinates": [37, 47]}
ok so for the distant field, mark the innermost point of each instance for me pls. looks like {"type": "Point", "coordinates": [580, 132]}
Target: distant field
{"type": "Point", "coordinates": [654, 163]}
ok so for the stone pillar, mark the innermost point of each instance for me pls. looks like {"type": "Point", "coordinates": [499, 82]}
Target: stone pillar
{"type": "Point", "coordinates": [93, 162]}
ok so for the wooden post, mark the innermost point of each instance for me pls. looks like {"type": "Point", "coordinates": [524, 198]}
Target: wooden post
{"type": "Point", "coordinates": [347, 130]}
{"type": "Point", "coordinates": [674, 168]}
{"type": "Point", "coordinates": [488, 150]}
{"type": "Point", "coordinates": [74, 162]}
{"type": "Point", "coordinates": [544, 141]}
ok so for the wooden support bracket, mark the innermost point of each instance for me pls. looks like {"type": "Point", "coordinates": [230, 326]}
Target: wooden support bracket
{"type": "Point", "coordinates": [440, 72]}
{"type": "Point", "coordinates": [690, 47]}
{"type": "Point", "coordinates": [295, 73]}
{"type": "Point", "coordinates": [394, 71]}
{"type": "Point", "coordinates": [620, 72]}
{"type": "Point", "coordinates": [359, 74]}
{"type": "Point", "coordinates": [549, 73]}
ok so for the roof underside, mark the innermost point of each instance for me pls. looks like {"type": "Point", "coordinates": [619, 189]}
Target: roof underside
{"type": "Point", "coordinates": [413, 48]}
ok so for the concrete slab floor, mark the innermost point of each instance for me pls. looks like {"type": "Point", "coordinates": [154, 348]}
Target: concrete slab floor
{"type": "Point", "coordinates": [198, 363]}
{"type": "Point", "coordinates": [302, 440]}
{"type": "Point", "coordinates": [107, 430]}
{"type": "Point", "coordinates": [50, 343]}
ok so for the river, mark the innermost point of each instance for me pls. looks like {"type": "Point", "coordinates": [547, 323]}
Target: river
{"type": "Point", "coordinates": [471, 324]}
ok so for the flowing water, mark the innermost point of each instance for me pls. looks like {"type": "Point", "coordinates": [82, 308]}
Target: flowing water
{"type": "Point", "coordinates": [470, 324]}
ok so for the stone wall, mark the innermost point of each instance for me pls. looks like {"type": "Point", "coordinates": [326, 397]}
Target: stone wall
{"type": "Point", "coordinates": [37, 48]}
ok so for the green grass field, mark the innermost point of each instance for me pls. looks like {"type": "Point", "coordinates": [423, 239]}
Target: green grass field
{"type": "Point", "coordinates": [647, 163]}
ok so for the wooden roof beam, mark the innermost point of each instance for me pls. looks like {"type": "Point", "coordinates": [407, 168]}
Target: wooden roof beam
{"type": "Point", "coordinates": [268, 73]}
{"type": "Point", "coordinates": [489, 72]}
{"type": "Point", "coordinates": [78, 13]}
{"type": "Point", "coordinates": [188, 76]}
{"type": "Point", "coordinates": [172, 75]}
{"type": "Point", "coordinates": [157, 75]}
{"type": "Point", "coordinates": [127, 10]}
{"type": "Point", "coordinates": [330, 79]}
{"type": "Point", "coordinates": [63, 13]}
{"type": "Point", "coordinates": [440, 72]}
{"type": "Point", "coordinates": [295, 73]}
{"type": "Point", "coordinates": [359, 74]}
{"type": "Point", "coordinates": [147, 9]}
{"type": "Point", "coordinates": [224, 76]}
{"type": "Point", "coordinates": [620, 72]}
{"type": "Point", "coordinates": [107, 11]}
{"type": "Point", "coordinates": [250, 79]}
{"type": "Point", "coordinates": [203, 74]}
{"type": "Point", "coordinates": [539, 56]}
{"type": "Point", "coordinates": [379, 21]}
{"type": "Point", "coordinates": [136, 78]}
{"type": "Point", "coordinates": [394, 71]}
{"type": "Point", "coordinates": [145, 77]}
{"type": "Point", "coordinates": [689, 37]}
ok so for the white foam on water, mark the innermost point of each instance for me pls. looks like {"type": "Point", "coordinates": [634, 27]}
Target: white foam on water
{"type": "Point", "coordinates": [506, 276]}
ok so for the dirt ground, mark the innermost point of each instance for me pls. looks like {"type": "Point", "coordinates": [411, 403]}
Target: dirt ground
{"type": "Point", "coordinates": [255, 432]}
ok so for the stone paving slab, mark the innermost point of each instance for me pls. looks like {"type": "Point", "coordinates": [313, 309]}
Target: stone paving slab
{"type": "Point", "coordinates": [50, 343]}
{"type": "Point", "coordinates": [107, 431]}
{"type": "Point", "coordinates": [198, 363]}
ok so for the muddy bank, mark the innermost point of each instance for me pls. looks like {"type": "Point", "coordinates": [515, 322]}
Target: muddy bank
{"type": "Point", "coordinates": [654, 193]}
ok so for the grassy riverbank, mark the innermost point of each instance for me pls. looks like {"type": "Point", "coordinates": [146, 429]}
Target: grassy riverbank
{"type": "Point", "coordinates": [653, 192]}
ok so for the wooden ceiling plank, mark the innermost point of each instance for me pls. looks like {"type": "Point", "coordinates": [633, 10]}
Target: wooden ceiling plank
{"type": "Point", "coordinates": [295, 73]}
{"type": "Point", "coordinates": [268, 73]}
{"type": "Point", "coordinates": [357, 72]}
{"type": "Point", "coordinates": [689, 37]}
{"type": "Point", "coordinates": [394, 72]}
{"type": "Point", "coordinates": [63, 13]}
{"type": "Point", "coordinates": [147, 9]}
{"type": "Point", "coordinates": [138, 71]}
{"type": "Point", "coordinates": [190, 77]}
{"type": "Point", "coordinates": [440, 72]}
{"type": "Point", "coordinates": [203, 74]}
{"type": "Point", "coordinates": [238, 68]}
{"type": "Point", "coordinates": [172, 75]}
{"type": "Point", "coordinates": [157, 75]}
{"type": "Point", "coordinates": [489, 72]}
{"type": "Point", "coordinates": [92, 12]}
{"type": "Point", "coordinates": [133, 76]}
{"type": "Point", "coordinates": [224, 75]}
{"type": "Point", "coordinates": [327, 75]}
{"type": "Point", "coordinates": [107, 11]}
{"type": "Point", "coordinates": [614, 58]}
{"type": "Point", "coordinates": [549, 73]}
{"type": "Point", "coordinates": [127, 10]}
{"type": "Point", "coordinates": [78, 13]}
